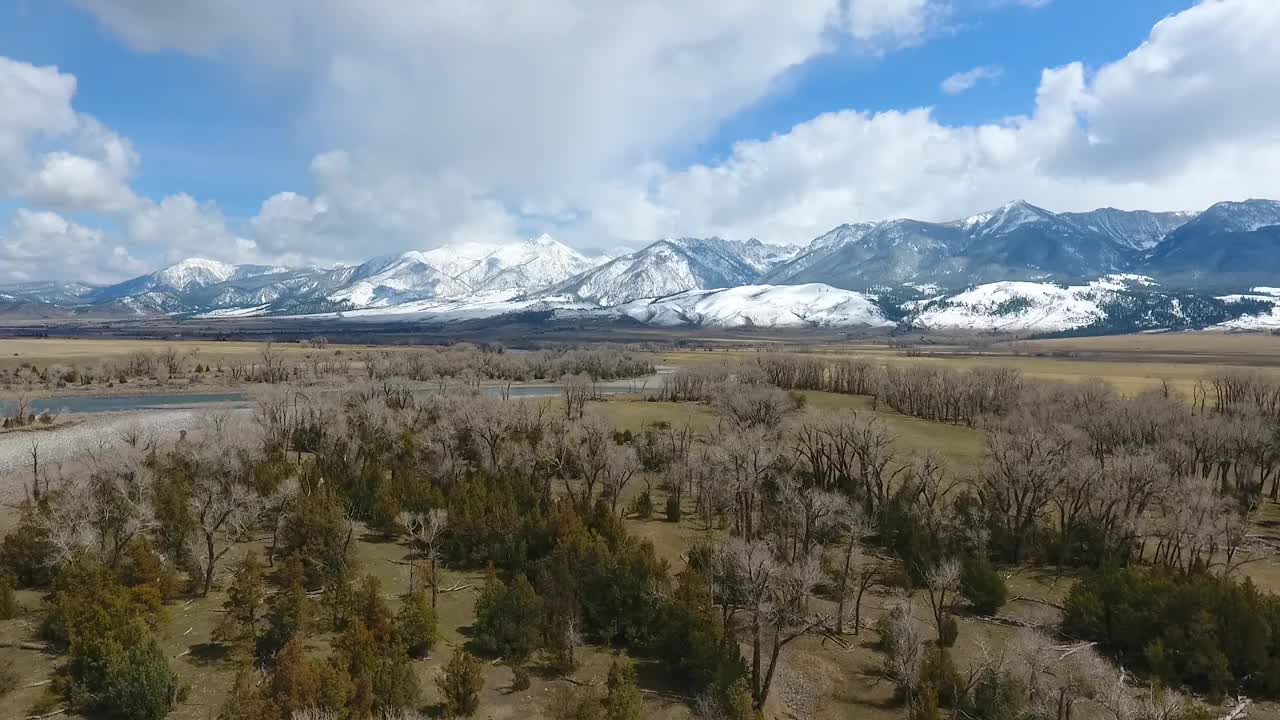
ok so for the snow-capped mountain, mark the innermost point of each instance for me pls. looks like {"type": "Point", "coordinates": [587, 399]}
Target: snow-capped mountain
{"type": "Point", "coordinates": [671, 266]}
{"type": "Point", "coordinates": [872, 254]}
{"type": "Point", "coordinates": [182, 276]}
{"type": "Point", "coordinates": [1017, 268]}
{"type": "Point", "coordinates": [1021, 242]}
{"type": "Point", "coordinates": [1231, 243]}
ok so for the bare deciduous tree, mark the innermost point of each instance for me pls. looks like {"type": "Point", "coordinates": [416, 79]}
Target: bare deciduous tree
{"type": "Point", "coordinates": [426, 530]}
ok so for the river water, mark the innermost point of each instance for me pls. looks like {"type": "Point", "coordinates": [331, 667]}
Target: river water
{"type": "Point", "coordinates": [92, 404]}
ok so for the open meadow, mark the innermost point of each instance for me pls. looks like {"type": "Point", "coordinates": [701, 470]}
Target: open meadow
{"type": "Point", "coordinates": [848, 505]}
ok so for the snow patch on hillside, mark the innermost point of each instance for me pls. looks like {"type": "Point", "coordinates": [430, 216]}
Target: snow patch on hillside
{"type": "Point", "coordinates": [812, 305]}
{"type": "Point", "coordinates": [1262, 321]}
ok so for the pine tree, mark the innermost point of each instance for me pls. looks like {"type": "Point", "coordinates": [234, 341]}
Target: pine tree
{"type": "Point", "coordinates": [622, 701]}
{"type": "Point", "coordinates": [416, 625]}
{"type": "Point", "coordinates": [460, 684]}
{"type": "Point", "coordinates": [290, 611]}
{"type": "Point", "coordinates": [244, 602]}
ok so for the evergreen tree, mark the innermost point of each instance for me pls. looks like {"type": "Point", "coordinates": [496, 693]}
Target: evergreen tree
{"type": "Point", "coordinates": [244, 603]}
{"type": "Point", "coordinates": [416, 625]}
{"type": "Point", "coordinates": [982, 586]}
{"type": "Point", "coordinates": [622, 698]}
{"type": "Point", "coordinates": [509, 619]}
{"type": "Point", "coordinates": [290, 610]}
{"type": "Point", "coordinates": [460, 684]}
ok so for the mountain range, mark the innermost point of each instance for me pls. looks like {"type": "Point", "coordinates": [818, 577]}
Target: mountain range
{"type": "Point", "coordinates": [1015, 268]}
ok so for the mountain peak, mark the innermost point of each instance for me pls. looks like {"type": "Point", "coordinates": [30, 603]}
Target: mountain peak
{"type": "Point", "coordinates": [194, 271]}
{"type": "Point", "coordinates": [1006, 218]}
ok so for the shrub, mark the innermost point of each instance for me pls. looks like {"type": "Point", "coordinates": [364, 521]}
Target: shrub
{"type": "Point", "coordinates": [460, 683]}
{"type": "Point", "coordinates": [673, 508]}
{"type": "Point", "coordinates": [577, 704]}
{"type": "Point", "coordinates": [519, 678]}
{"type": "Point", "coordinates": [138, 685]}
{"type": "Point", "coordinates": [8, 678]}
{"type": "Point", "coordinates": [416, 625]}
{"type": "Point", "coordinates": [622, 697]}
{"type": "Point", "coordinates": [939, 672]}
{"type": "Point", "coordinates": [925, 705]}
{"type": "Point", "coordinates": [26, 551]}
{"type": "Point", "coordinates": [982, 585]}
{"type": "Point", "coordinates": [298, 683]}
{"type": "Point", "coordinates": [8, 602]}
{"type": "Point", "coordinates": [643, 505]}
{"type": "Point", "coordinates": [997, 696]}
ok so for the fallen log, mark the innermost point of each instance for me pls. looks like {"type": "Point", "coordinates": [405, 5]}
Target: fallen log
{"type": "Point", "coordinates": [1240, 711]}
{"type": "Point", "coordinates": [1041, 601]}
{"type": "Point", "coordinates": [42, 647]}
{"type": "Point", "coordinates": [1006, 621]}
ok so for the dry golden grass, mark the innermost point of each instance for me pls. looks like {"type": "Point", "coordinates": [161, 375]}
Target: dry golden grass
{"type": "Point", "coordinates": [90, 352]}
{"type": "Point", "coordinates": [1132, 363]}
{"type": "Point", "coordinates": [634, 413]}
{"type": "Point", "coordinates": [1249, 346]}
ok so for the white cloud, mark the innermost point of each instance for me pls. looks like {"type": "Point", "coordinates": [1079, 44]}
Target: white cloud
{"type": "Point", "coordinates": [82, 253]}
{"type": "Point", "coordinates": [75, 182]}
{"type": "Point", "coordinates": [558, 116]}
{"type": "Point", "coordinates": [519, 96]}
{"type": "Point", "coordinates": [1183, 121]}
{"type": "Point", "coordinates": [962, 81]}
{"type": "Point", "coordinates": [89, 167]}
{"type": "Point", "coordinates": [361, 210]}
{"type": "Point", "coordinates": [178, 227]}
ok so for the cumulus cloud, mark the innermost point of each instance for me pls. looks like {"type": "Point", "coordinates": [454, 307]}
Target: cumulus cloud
{"type": "Point", "coordinates": [90, 167]}
{"type": "Point", "coordinates": [1181, 122]}
{"type": "Point", "coordinates": [518, 96]}
{"type": "Point", "coordinates": [962, 81]}
{"type": "Point", "coordinates": [179, 226]}
{"type": "Point", "coordinates": [491, 121]}
{"type": "Point", "coordinates": [84, 253]}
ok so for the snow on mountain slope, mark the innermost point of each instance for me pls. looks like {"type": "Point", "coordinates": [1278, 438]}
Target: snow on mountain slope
{"type": "Point", "coordinates": [530, 265]}
{"type": "Point", "coordinates": [1136, 229]}
{"type": "Point", "coordinates": [183, 276]}
{"type": "Point", "coordinates": [1022, 306]}
{"type": "Point", "coordinates": [1005, 219]}
{"type": "Point", "coordinates": [394, 280]}
{"type": "Point", "coordinates": [463, 307]}
{"type": "Point", "coordinates": [668, 267]}
{"type": "Point", "coordinates": [193, 272]}
{"type": "Point", "coordinates": [1244, 216]}
{"type": "Point", "coordinates": [812, 305]}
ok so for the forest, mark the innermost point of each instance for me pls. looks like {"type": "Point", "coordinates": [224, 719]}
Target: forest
{"type": "Point", "coordinates": [792, 519]}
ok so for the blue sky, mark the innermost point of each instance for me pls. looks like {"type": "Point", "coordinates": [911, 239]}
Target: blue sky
{"type": "Point", "coordinates": [319, 132]}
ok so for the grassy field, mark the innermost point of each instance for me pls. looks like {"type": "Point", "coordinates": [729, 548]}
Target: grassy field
{"type": "Point", "coordinates": [46, 351]}
{"type": "Point", "coordinates": [1132, 363]}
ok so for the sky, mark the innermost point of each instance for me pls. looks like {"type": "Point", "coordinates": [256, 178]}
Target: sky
{"type": "Point", "coordinates": [134, 133]}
